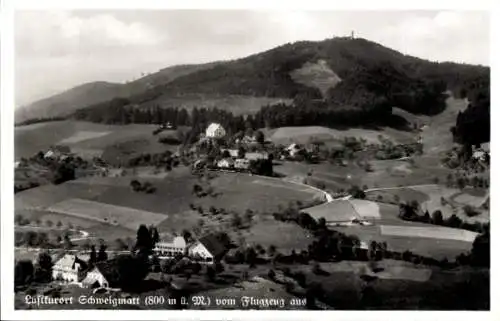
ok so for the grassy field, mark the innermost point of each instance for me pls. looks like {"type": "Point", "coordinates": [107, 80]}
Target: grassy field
{"type": "Point", "coordinates": [87, 139]}
{"type": "Point", "coordinates": [112, 198]}
{"type": "Point", "coordinates": [453, 206]}
{"type": "Point", "coordinates": [237, 104]}
{"type": "Point", "coordinates": [366, 209]}
{"type": "Point", "coordinates": [105, 213]}
{"type": "Point", "coordinates": [241, 192]}
{"type": "Point", "coordinates": [283, 235]}
{"type": "Point", "coordinates": [318, 75]}
{"type": "Point", "coordinates": [301, 135]}
{"type": "Point", "coordinates": [337, 211]}
{"type": "Point", "coordinates": [402, 195]}
{"type": "Point", "coordinates": [436, 248]}
{"type": "Point", "coordinates": [432, 232]}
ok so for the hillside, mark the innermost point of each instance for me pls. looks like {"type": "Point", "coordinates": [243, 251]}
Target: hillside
{"type": "Point", "coordinates": [69, 101]}
{"type": "Point", "coordinates": [339, 81]}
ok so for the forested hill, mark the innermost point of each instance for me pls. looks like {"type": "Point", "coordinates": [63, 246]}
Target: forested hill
{"type": "Point", "coordinates": [67, 102]}
{"type": "Point", "coordinates": [324, 77]}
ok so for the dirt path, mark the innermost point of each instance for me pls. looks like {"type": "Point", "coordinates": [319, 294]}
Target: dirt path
{"type": "Point", "coordinates": [84, 234]}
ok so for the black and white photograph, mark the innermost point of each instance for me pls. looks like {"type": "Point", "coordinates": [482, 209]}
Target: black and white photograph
{"type": "Point", "coordinates": [249, 159]}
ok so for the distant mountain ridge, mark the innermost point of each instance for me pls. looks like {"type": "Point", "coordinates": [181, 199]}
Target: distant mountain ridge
{"type": "Point", "coordinates": [361, 73]}
{"type": "Point", "coordinates": [67, 102]}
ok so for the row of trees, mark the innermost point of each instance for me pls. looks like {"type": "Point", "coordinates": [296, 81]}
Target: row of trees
{"type": "Point", "coordinates": [410, 212]}
{"type": "Point", "coordinates": [25, 272]}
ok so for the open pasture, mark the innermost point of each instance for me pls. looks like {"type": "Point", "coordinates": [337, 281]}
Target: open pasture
{"type": "Point", "coordinates": [87, 139]}
{"type": "Point", "coordinates": [397, 196]}
{"type": "Point", "coordinates": [452, 206]}
{"type": "Point", "coordinates": [465, 198]}
{"type": "Point", "coordinates": [239, 192]}
{"type": "Point", "coordinates": [288, 135]}
{"type": "Point", "coordinates": [284, 236]}
{"type": "Point", "coordinates": [336, 211]}
{"type": "Point", "coordinates": [437, 248]}
{"type": "Point", "coordinates": [391, 269]}
{"type": "Point", "coordinates": [105, 213]}
{"type": "Point", "coordinates": [366, 209]}
{"type": "Point", "coordinates": [433, 232]}
{"type": "Point", "coordinates": [237, 104]}
{"type": "Point", "coordinates": [286, 185]}
{"type": "Point", "coordinates": [81, 136]}
{"type": "Point", "coordinates": [46, 195]}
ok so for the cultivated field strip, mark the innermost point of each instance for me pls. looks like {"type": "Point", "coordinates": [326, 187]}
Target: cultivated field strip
{"type": "Point", "coordinates": [82, 136]}
{"type": "Point", "coordinates": [112, 214]}
{"type": "Point", "coordinates": [366, 209]}
{"type": "Point", "coordinates": [428, 232]}
{"type": "Point", "coordinates": [336, 211]}
{"type": "Point", "coordinates": [285, 185]}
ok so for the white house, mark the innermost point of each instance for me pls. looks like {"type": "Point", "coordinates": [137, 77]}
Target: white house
{"type": "Point", "coordinates": [225, 163]}
{"type": "Point", "coordinates": [102, 275]}
{"type": "Point", "coordinates": [69, 268]}
{"type": "Point", "coordinates": [208, 249]}
{"type": "Point", "coordinates": [242, 163]}
{"type": "Point", "coordinates": [256, 156]}
{"type": "Point", "coordinates": [215, 130]}
{"type": "Point", "coordinates": [166, 249]}
{"type": "Point", "coordinates": [56, 152]}
{"type": "Point", "coordinates": [293, 149]}
{"type": "Point", "coordinates": [95, 279]}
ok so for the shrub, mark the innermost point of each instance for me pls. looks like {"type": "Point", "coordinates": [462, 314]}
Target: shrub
{"type": "Point", "coordinates": [470, 211]}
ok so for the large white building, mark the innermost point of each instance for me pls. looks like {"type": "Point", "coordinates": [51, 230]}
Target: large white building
{"type": "Point", "coordinates": [166, 249]}
{"type": "Point", "coordinates": [215, 130]}
{"type": "Point", "coordinates": [208, 249]}
{"type": "Point", "coordinates": [69, 268]}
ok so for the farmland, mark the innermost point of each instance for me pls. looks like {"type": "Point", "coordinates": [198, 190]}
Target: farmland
{"type": "Point", "coordinates": [87, 139]}
{"type": "Point", "coordinates": [302, 135]}
{"type": "Point", "coordinates": [105, 213]}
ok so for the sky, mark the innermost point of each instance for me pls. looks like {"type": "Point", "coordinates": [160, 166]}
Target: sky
{"type": "Point", "coordinates": [57, 50]}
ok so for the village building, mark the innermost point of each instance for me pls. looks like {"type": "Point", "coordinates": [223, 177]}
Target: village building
{"type": "Point", "coordinates": [242, 163]}
{"type": "Point", "coordinates": [232, 152]}
{"type": "Point", "coordinates": [209, 249]}
{"type": "Point", "coordinates": [70, 268]}
{"type": "Point", "coordinates": [215, 130]}
{"type": "Point", "coordinates": [225, 163]}
{"type": "Point", "coordinates": [256, 156]}
{"type": "Point", "coordinates": [293, 149]}
{"type": "Point", "coordinates": [170, 248]}
{"type": "Point", "coordinates": [101, 276]}
{"type": "Point", "coordinates": [56, 152]}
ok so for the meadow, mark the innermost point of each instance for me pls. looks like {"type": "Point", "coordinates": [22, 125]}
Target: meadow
{"type": "Point", "coordinates": [87, 139]}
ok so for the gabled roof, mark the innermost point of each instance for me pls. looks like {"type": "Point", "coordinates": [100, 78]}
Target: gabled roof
{"type": "Point", "coordinates": [214, 126]}
{"type": "Point", "coordinates": [108, 272]}
{"type": "Point", "coordinates": [61, 149]}
{"type": "Point", "coordinates": [214, 244]}
{"type": "Point", "coordinates": [68, 260]}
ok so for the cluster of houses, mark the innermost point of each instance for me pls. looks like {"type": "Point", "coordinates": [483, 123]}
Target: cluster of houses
{"type": "Point", "coordinates": [74, 269]}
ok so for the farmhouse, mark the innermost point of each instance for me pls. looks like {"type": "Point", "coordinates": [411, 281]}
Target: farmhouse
{"type": "Point", "coordinates": [101, 276]}
{"type": "Point", "coordinates": [225, 163]}
{"type": "Point", "coordinates": [242, 163]}
{"type": "Point", "coordinates": [69, 268]}
{"type": "Point", "coordinates": [256, 156]}
{"type": "Point", "coordinates": [58, 151]}
{"type": "Point", "coordinates": [215, 130]}
{"type": "Point", "coordinates": [209, 249]}
{"type": "Point", "coordinates": [293, 149]}
{"type": "Point", "coordinates": [170, 248]}
{"type": "Point", "coordinates": [232, 152]}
